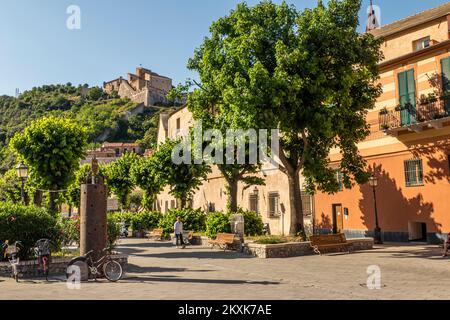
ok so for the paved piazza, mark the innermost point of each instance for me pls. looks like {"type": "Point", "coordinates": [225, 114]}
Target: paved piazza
{"type": "Point", "coordinates": [160, 271]}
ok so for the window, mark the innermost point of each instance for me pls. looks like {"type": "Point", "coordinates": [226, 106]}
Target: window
{"type": "Point", "coordinates": [307, 203]}
{"type": "Point", "coordinates": [421, 43]}
{"type": "Point", "coordinates": [407, 96]}
{"type": "Point", "coordinates": [253, 202]}
{"type": "Point", "coordinates": [414, 172]}
{"type": "Point", "coordinates": [211, 207]}
{"type": "Point", "coordinates": [274, 202]}
{"type": "Point", "coordinates": [178, 123]}
{"type": "Point", "coordinates": [173, 204]}
{"type": "Point", "coordinates": [339, 179]}
{"type": "Point", "coordinates": [166, 206]}
{"type": "Point", "coordinates": [117, 152]}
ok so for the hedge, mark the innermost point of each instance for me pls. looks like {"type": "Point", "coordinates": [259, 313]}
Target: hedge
{"type": "Point", "coordinates": [27, 224]}
{"type": "Point", "coordinates": [193, 220]}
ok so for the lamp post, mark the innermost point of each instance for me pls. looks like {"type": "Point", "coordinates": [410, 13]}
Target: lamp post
{"type": "Point", "coordinates": [373, 182]}
{"type": "Point", "coordinates": [22, 173]}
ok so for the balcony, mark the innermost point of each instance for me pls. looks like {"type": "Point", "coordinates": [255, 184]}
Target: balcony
{"type": "Point", "coordinates": [430, 114]}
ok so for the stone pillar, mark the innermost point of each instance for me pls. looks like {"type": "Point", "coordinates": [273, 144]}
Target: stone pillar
{"type": "Point", "coordinates": [93, 225]}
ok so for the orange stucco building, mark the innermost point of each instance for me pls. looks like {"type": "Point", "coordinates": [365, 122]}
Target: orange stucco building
{"type": "Point", "coordinates": [409, 145]}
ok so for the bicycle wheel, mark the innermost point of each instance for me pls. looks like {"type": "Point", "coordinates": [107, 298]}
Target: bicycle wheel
{"type": "Point", "coordinates": [112, 270]}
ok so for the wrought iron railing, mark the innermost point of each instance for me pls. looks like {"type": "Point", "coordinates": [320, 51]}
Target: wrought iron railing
{"type": "Point", "coordinates": [408, 115]}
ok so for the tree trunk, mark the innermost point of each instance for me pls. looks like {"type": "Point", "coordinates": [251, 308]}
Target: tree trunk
{"type": "Point", "coordinates": [38, 198]}
{"type": "Point", "coordinates": [183, 203]}
{"type": "Point", "coordinates": [295, 202]}
{"type": "Point", "coordinates": [53, 197]}
{"type": "Point", "coordinates": [232, 196]}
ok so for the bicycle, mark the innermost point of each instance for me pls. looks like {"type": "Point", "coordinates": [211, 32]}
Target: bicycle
{"type": "Point", "coordinates": [12, 252]}
{"type": "Point", "coordinates": [106, 266]}
{"type": "Point", "coordinates": [44, 254]}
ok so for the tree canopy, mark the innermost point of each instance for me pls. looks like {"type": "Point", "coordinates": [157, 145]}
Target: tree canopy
{"type": "Point", "coordinates": [310, 74]}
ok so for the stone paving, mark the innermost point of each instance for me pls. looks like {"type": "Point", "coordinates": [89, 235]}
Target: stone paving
{"type": "Point", "coordinates": [157, 270]}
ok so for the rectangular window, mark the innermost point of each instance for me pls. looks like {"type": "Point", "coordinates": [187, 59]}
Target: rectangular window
{"type": "Point", "coordinates": [253, 203]}
{"type": "Point", "coordinates": [422, 43]}
{"type": "Point", "coordinates": [274, 204]}
{"type": "Point", "coordinates": [166, 206]}
{"type": "Point", "coordinates": [339, 179]}
{"type": "Point", "coordinates": [211, 207]}
{"type": "Point", "coordinates": [178, 123]}
{"type": "Point", "coordinates": [307, 203]}
{"type": "Point", "coordinates": [413, 172]}
{"type": "Point", "coordinates": [173, 204]}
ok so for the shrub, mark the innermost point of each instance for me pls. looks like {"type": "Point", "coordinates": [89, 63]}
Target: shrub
{"type": "Point", "coordinates": [193, 220]}
{"type": "Point", "coordinates": [70, 231]}
{"type": "Point", "coordinates": [122, 217]}
{"type": "Point", "coordinates": [253, 224]}
{"type": "Point", "coordinates": [271, 239]}
{"type": "Point", "coordinates": [217, 222]}
{"type": "Point", "coordinates": [113, 233]}
{"type": "Point", "coordinates": [27, 224]}
{"type": "Point", "coordinates": [145, 220]}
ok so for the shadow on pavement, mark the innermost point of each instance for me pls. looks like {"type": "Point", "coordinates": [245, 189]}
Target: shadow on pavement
{"type": "Point", "coordinates": [206, 254]}
{"type": "Point", "coordinates": [132, 279]}
{"type": "Point", "coordinates": [139, 269]}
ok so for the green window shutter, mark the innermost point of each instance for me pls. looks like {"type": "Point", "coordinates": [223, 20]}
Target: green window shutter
{"type": "Point", "coordinates": [445, 65]}
{"type": "Point", "coordinates": [407, 94]}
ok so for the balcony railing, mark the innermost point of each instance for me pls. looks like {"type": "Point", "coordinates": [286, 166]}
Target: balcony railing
{"type": "Point", "coordinates": [407, 116]}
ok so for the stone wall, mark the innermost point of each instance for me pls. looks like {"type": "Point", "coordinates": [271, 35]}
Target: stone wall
{"type": "Point", "coordinates": [296, 249]}
{"type": "Point", "coordinates": [58, 266]}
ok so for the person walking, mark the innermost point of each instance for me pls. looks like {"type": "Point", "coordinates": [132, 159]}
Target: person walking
{"type": "Point", "coordinates": [178, 229]}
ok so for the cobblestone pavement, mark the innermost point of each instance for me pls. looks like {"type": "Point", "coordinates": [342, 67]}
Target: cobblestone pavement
{"type": "Point", "coordinates": [157, 270]}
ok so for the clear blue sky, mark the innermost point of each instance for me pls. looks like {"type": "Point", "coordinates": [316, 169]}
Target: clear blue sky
{"type": "Point", "coordinates": [36, 48]}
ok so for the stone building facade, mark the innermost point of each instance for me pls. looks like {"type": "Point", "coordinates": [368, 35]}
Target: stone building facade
{"type": "Point", "coordinates": [145, 86]}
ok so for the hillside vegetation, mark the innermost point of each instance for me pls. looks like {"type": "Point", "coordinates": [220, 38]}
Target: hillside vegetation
{"type": "Point", "coordinates": [105, 116]}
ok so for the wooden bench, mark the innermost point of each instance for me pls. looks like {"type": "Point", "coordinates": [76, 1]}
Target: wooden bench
{"type": "Point", "coordinates": [156, 234]}
{"type": "Point", "coordinates": [321, 243]}
{"type": "Point", "coordinates": [223, 240]}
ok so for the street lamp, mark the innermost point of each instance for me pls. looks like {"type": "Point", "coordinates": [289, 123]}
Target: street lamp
{"type": "Point", "coordinates": [22, 173]}
{"type": "Point", "coordinates": [373, 182]}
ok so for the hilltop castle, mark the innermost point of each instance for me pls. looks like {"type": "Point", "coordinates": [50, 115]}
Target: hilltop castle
{"type": "Point", "coordinates": [145, 87]}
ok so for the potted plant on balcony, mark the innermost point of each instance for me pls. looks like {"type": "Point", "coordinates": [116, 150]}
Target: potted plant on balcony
{"type": "Point", "coordinates": [399, 108]}
{"type": "Point", "coordinates": [383, 111]}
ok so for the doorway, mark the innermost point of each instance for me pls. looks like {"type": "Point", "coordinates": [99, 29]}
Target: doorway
{"type": "Point", "coordinates": [338, 219]}
{"type": "Point", "coordinates": [417, 231]}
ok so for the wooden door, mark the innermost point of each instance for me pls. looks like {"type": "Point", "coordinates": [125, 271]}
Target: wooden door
{"type": "Point", "coordinates": [338, 218]}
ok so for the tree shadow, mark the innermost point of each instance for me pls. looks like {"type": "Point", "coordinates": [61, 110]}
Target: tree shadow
{"type": "Point", "coordinates": [139, 269]}
{"type": "Point", "coordinates": [394, 209]}
{"type": "Point", "coordinates": [325, 224]}
{"type": "Point", "coordinates": [205, 254]}
{"type": "Point", "coordinates": [437, 155]}
{"type": "Point", "coordinates": [150, 279]}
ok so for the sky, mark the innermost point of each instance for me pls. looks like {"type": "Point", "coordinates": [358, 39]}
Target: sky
{"type": "Point", "coordinates": [116, 36]}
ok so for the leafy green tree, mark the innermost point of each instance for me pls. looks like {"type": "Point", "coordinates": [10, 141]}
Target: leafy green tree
{"type": "Point", "coordinates": [145, 175]}
{"type": "Point", "coordinates": [119, 179]}
{"type": "Point", "coordinates": [10, 187]}
{"type": "Point", "coordinates": [177, 94]}
{"type": "Point", "coordinates": [52, 147]}
{"type": "Point", "coordinates": [310, 74]}
{"type": "Point", "coordinates": [73, 192]}
{"type": "Point", "coordinates": [183, 179]}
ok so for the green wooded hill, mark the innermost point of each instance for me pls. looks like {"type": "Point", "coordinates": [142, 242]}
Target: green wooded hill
{"type": "Point", "coordinates": [104, 115]}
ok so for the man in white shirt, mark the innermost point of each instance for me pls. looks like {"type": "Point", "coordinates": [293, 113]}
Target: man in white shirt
{"type": "Point", "coordinates": [178, 229]}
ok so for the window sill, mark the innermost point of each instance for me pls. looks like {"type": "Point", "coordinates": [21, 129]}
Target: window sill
{"type": "Point", "coordinates": [415, 185]}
